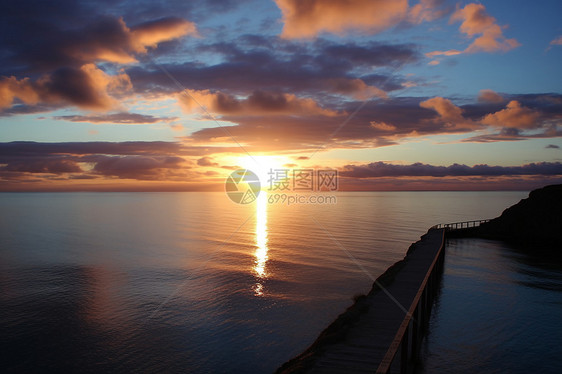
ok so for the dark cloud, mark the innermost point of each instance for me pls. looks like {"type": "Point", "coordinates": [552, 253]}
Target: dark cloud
{"type": "Point", "coordinates": [92, 160]}
{"type": "Point", "coordinates": [50, 50]}
{"type": "Point", "coordinates": [382, 122]}
{"type": "Point", "coordinates": [382, 169]}
{"type": "Point", "coordinates": [513, 134]}
{"type": "Point", "coordinates": [206, 161]}
{"type": "Point", "coordinates": [278, 65]}
{"type": "Point", "coordinates": [378, 123]}
{"type": "Point", "coordinates": [34, 149]}
{"type": "Point", "coordinates": [140, 167]}
{"type": "Point", "coordinates": [42, 36]}
{"type": "Point", "coordinates": [370, 54]}
{"type": "Point", "coordinates": [86, 87]}
{"type": "Point", "coordinates": [55, 165]}
{"type": "Point", "coordinates": [473, 183]}
{"type": "Point", "coordinates": [121, 118]}
{"type": "Point", "coordinates": [275, 92]}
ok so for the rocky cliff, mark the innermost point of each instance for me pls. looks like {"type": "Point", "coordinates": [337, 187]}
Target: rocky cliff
{"type": "Point", "coordinates": [536, 220]}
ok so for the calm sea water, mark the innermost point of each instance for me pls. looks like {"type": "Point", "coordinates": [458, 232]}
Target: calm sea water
{"type": "Point", "coordinates": [190, 282]}
{"type": "Point", "coordinates": [498, 312]}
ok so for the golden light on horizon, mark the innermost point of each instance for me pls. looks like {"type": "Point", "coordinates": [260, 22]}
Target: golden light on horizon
{"type": "Point", "coordinates": [260, 254]}
{"type": "Point", "coordinates": [263, 165]}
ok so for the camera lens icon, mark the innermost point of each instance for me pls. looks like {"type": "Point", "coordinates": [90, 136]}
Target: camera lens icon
{"type": "Point", "coordinates": [242, 186]}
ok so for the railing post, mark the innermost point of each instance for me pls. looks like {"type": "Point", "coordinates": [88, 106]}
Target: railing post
{"type": "Point", "coordinates": [416, 332]}
{"type": "Point", "coordinates": [404, 353]}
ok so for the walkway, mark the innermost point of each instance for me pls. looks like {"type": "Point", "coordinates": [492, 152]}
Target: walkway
{"type": "Point", "coordinates": [368, 341]}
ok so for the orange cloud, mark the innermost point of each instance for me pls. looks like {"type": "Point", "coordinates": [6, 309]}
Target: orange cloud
{"type": "Point", "coordinates": [557, 41]}
{"type": "Point", "coordinates": [87, 87]}
{"type": "Point", "coordinates": [11, 88]}
{"type": "Point", "coordinates": [151, 33]}
{"type": "Point", "coordinates": [514, 116]}
{"type": "Point", "coordinates": [489, 96]}
{"type": "Point", "coordinates": [356, 88]}
{"type": "Point", "coordinates": [426, 10]}
{"type": "Point", "coordinates": [383, 126]}
{"type": "Point", "coordinates": [259, 103]}
{"type": "Point", "coordinates": [451, 52]}
{"type": "Point", "coordinates": [308, 18]}
{"type": "Point", "coordinates": [448, 112]}
{"type": "Point", "coordinates": [475, 21]}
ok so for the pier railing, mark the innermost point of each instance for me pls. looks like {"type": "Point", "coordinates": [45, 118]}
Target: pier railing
{"type": "Point", "coordinates": [406, 344]}
{"type": "Point", "coordinates": [460, 225]}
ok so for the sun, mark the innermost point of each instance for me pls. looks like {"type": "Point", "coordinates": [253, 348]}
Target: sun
{"type": "Point", "coordinates": [263, 165]}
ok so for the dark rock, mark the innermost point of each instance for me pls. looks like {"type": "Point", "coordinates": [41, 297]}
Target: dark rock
{"type": "Point", "coordinates": [536, 220]}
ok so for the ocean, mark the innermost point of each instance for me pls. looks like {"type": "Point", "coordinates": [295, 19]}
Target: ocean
{"type": "Point", "coordinates": [498, 311]}
{"type": "Point", "coordinates": [192, 282]}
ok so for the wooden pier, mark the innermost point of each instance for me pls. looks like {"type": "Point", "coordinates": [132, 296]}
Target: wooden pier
{"type": "Point", "coordinates": [387, 337]}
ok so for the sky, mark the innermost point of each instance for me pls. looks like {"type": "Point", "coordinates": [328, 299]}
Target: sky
{"type": "Point", "coordinates": [175, 95]}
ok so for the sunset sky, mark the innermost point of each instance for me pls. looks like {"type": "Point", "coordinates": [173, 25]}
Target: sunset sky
{"type": "Point", "coordinates": [175, 95]}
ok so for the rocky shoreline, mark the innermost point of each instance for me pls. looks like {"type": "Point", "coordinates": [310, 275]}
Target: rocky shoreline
{"type": "Point", "coordinates": [534, 221]}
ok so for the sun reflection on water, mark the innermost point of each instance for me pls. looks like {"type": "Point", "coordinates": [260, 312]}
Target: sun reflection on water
{"type": "Point", "coordinates": [261, 243]}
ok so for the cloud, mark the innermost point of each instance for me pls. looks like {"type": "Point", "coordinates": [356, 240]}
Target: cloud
{"type": "Point", "coordinates": [46, 44]}
{"type": "Point", "coordinates": [471, 183]}
{"type": "Point", "coordinates": [427, 11]}
{"type": "Point", "coordinates": [356, 88]}
{"type": "Point", "coordinates": [552, 146]}
{"type": "Point", "coordinates": [259, 103]}
{"type": "Point", "coordinates": [87, 87]}
{"type": "Point", "coordinates": [437, 54]}
{"type": "Point", "coordinates": [489, 96]}
{"type": "Point", "coordinates": [139, 167]}
{"type": "Point", "coordinates": [51, 166]}
{"type": "Point", "coordinates": [107, 166]}
{"type": "Point", "coordinates": [452, 52]}
{"type": "Point", "coordinates": [308, 18]}
{"type": "Point", "coordinates": [378, 123]}
{"type": "Point", "coordinates": [382, 169]}
{"type": "Point", "coordinates": [369, 54]}
{"type": "Point", "coordinates": [51, 55]}
{"type": "Point", "coordinates": [449, 113]}
{"type": "Point", "coordinates": [276, 65]}
{"type": "Point", "coordinates": [109, 39]}
{"type": "Point", "coordinates": [11, 88]}
{"type": "Point", "coordinates": [477, 22]}
{"type": "Point", "coordinates": [207, 161]}
{"type": "Point", "coordinates": [383, 126]}
{"type": "Point", "coordinates": [103, 161]}
{"type": "Point", "coordinates": [514, 116]}
{"type": "Point", "coordinates": [513, 134]}
{"type": "Point", "coordinates": [556, 41]}
{"type": "Point", "coordinates": [150, 34]}
{"type": "Point", "coordinates": [11, 150]}
{"type": "Point", "coordinates": [120, 118]}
